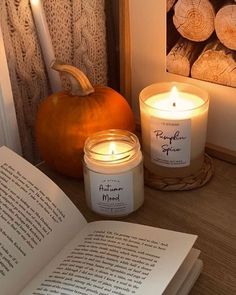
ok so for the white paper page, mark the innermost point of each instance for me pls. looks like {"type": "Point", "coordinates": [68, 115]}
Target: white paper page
{"type": "Point", "coordinates": [182, 272]}
{"type": "Point", "coordinates": [36, 221]}
{"type": "Point", "coordinates": [191, 278]}
{"type": "Point", "coordinates": [110, 257]}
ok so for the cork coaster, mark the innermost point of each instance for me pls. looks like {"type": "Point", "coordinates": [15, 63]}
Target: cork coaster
{"type": "Point", "coordinates": [178, 183]}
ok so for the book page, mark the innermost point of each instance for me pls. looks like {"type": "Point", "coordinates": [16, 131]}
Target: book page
{"type": "Point", "coordinates": [182, 273]}
{"type": "Point", "coordinates": [36, 221]}
{"type": "Point", "coordinates": [191, 278]}
{"type": "Point", "coordinates": [110, 257]}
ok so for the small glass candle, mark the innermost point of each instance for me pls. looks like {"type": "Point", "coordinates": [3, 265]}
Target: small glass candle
{"type": "Point", "coordinates": [113, 172]}
{"type": "Point", "coordinates": [174, 126]}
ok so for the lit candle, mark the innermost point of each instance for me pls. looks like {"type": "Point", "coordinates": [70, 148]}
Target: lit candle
{"type": "Point", "coordinates": [45, 43]}
{"type": "Point", "coordinates": [174, 126]}
{"type": "Point", "coordinates": [113, 172]}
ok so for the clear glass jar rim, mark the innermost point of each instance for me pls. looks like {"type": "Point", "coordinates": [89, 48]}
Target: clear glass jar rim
{"type": "Point", "coordinates": [112, 135]}
{"type": "Point", "coordinates": [168, 85]}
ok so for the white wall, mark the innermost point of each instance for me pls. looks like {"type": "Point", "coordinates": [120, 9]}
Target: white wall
{"type": "Point", "coordinates": [148, 39]}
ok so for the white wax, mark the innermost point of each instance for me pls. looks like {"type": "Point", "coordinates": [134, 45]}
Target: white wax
{"type": "Point", "coordinates": [185, 105]}
{"type": "Point", "coordinates": [45, 43]}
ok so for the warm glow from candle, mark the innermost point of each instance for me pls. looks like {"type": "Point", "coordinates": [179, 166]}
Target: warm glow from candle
{"type": "Point", "coordinates": [175, 101]}
{"type": "Point", "coordinates": [112, 151]}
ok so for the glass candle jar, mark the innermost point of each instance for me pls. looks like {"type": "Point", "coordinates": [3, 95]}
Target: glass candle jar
{"type": "Point", "coordinates": [113, 172]}
{"type": "Point", "coordinates": [174, 125]}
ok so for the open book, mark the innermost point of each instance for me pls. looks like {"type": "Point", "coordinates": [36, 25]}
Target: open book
{"type": "Point", "coordinates": [48, 248]}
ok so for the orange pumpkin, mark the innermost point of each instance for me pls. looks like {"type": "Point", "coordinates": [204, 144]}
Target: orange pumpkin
{"type": "Point", "coordinates": [65, 119]}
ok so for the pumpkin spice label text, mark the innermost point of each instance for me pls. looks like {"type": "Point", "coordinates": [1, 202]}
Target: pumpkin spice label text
{"type": "Point", "coordinates": [171, 142]}
{"type": "Point", "coordinates": [112, 194]}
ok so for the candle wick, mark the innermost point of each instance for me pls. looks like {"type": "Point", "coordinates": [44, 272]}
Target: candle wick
{"type": "Point", "coordinates": [112, 152]}
{"type": "Point", "coordinates": [174, 104]}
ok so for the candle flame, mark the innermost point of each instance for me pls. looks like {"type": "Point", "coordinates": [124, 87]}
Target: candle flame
{"type": "Point", "coordinates": [174, 95]}
{"type": "Point", "coordinates": [112, 148]}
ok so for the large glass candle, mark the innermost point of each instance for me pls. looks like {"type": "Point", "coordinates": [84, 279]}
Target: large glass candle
{"type": "Point", "coordinates": [174, 126]}
{"type": "Point", "coordinates": [113, 172]}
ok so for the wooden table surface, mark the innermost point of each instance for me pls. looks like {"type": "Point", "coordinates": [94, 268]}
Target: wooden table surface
{"type": "Point", "coordinates": [209, 212]}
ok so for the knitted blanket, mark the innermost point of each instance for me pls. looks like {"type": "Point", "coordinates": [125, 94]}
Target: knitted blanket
{"type": "Point", "coordinates": [78, 33]}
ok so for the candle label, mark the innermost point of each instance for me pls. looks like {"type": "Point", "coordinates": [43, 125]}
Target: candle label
{"type": "Point", "coordinates": [170, 142]}
{"type": "Point", "coordinates": [112, 194]}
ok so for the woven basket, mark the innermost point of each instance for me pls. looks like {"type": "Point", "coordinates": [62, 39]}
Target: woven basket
{"type": "Point", "coordinates": [181, 183]}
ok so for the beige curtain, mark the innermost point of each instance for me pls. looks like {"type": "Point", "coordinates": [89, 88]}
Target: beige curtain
{"type": "Point", "coordinates": [78, 33]}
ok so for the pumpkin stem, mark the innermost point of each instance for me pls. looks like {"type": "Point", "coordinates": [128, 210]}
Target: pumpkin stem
{"type": "Point", "coordinates": [80, 84]}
